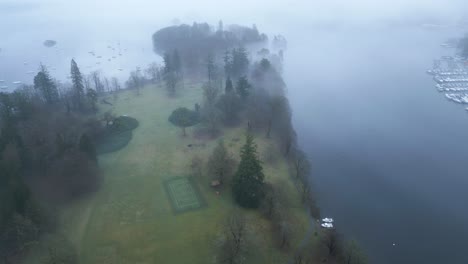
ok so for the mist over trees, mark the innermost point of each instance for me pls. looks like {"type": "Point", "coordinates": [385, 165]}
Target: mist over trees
{"type": "Point", "coordinates": [46, 86]}
{"type": "Point", "coordinates": [78, 86]}
{"type": "Point", "coordinates": [48, 138]}
{"type": "Point", "coordinates": [195, 43]}
{"type": "Point", "coordinates": [47, 156]}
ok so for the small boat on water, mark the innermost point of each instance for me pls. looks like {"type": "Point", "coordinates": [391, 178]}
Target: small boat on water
{"type": "Point", "coordinates": [17, 82]}
{"type": "Point", "coordinates": [327, 223]}
{"type": "Point", "coordinates": [461, 98]}
{"type": "Point", "coordinates": [3, 87]}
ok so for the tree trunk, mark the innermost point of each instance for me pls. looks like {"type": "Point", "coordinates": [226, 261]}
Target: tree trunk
{"type": "Point", "coordinates": [269, 129]}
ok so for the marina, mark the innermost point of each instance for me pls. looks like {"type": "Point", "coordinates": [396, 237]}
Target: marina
{"type": "Point", "coordinates": [461, 98]}
{"type": "Point", "coordinates": [451, 77]}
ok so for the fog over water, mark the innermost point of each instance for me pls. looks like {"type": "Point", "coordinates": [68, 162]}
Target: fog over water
{"type": "Point", "coordinates": [388, 151]}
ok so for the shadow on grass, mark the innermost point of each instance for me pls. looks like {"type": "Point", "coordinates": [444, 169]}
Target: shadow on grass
{"type": "Point", "coordinates": [117, 135]}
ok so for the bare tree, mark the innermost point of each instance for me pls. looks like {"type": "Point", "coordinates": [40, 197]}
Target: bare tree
{"type": "Point", "coordinates": [115, 84]}
{"type": "Point", "coordinates": [210, 112]}
{"type": "Point", "coordinates": [301, 165]}
{"type": "Point", "coordinates": [220, 164]}
{"type": "Point", "coordinates": [135, 81]}
{"type": "Point", "coordinates": [352, 254]}
{"type": "Point", "coordinates": [153, 72]}
{"type": "Point", "coordinates": [96, 78]}
{"type": "Point", "coordinates": [87, 82]}
{"type": "Point", "coordinates": [233, 243]}
{"type": "Point", "coordinates": [331, 241]}
{"type": "Point", "coordinates": [107, 84]}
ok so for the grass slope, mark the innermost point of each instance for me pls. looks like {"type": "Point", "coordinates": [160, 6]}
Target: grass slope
{"type": "Point", "coordinates": [130, 219]}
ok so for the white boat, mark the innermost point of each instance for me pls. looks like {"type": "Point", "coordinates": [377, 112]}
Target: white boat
{"type": "Point", "coordinates": [17, 82]}
{"type": "Point", "coordinates": [3, 87]}
{"type": "Point", "coordinates": [327, 225]}
{"type": "Point", "coordinates": [327, 220]}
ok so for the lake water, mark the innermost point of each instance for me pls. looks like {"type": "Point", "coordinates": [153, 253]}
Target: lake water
{"type": "Point", "coordinates": [389, 152]}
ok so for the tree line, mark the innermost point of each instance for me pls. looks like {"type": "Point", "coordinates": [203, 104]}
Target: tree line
{"type": "Point", "coordinates": [196, 42]}
{"type": "Point", "coordinates": [47, 157]}
{"type": "Point", "coordinates": [238, 91]}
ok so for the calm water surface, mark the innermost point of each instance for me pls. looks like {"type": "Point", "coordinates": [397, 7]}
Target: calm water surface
{"type": "Point", "coordinates": [389, 152]}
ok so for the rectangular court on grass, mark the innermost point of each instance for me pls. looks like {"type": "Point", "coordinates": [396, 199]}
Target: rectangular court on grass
{"type": "Point", "coordinates": [183, 194]}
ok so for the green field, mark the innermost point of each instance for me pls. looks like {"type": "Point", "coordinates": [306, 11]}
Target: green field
{"type": "Point", "coordinates": [131, 218]}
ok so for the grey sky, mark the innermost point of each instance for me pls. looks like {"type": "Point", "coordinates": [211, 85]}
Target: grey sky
{"type": "Point", "coordinates": [259, 10]}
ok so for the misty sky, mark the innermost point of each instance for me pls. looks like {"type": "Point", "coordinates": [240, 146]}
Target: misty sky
{"type": "Point", "coordinates": [88, 12]}
{"type": "Point", "coordinates": [121, 17]}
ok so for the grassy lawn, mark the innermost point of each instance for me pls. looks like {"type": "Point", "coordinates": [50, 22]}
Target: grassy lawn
{"type": "Point", "coordinates": [130, 219]}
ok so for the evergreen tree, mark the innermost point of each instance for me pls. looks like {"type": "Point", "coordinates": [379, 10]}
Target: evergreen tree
{"type": "Point", "coordinates": [248, 182]}
{"type": "Point", "coordinates": [78, 87]}
{"type": "Point", "coordinates": [86, 145]}
{"type": "Point", "coordinates": [229, 87]}
{"type": "Point", "coordinates": [211, 68]}
{"type": "Point", "coordinates": [92, 99]}
{"type": "Point", "coordinates": [228, 63]}
{"type": "Point", "coordinates": [243, 87]}
{"type": "Point", "coordinates": [240, 62]}
{"type": "Point", "coordinates": [229, 104]}
{"type": "Point", "coordinates": [46, 86]}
